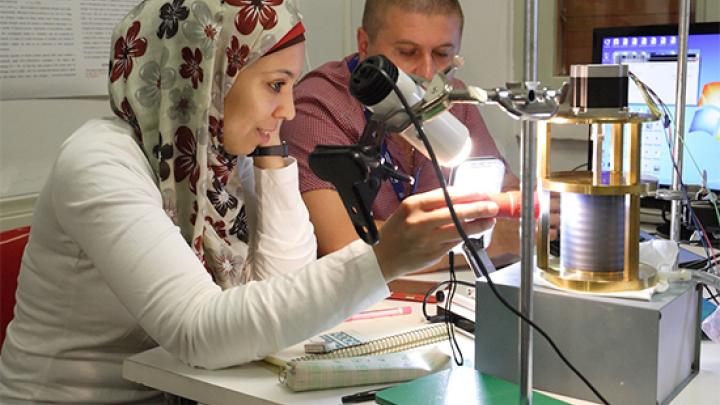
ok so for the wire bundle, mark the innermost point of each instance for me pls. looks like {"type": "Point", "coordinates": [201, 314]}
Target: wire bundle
{"type": "Point", "coordinates": [657, 106]}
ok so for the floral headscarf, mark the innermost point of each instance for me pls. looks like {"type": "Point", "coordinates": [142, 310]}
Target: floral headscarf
{"type": "Point", "coordinates": [172, 63]}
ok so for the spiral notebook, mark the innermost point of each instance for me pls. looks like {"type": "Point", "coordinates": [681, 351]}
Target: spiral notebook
{"type": "Point", "coordinates": [383, 360]}
{"type": "Point", "coordinates": [388, 344]}
{"type": "Point", "coordinates": [406, 340]}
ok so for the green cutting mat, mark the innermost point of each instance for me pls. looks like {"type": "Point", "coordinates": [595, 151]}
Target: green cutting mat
{"type": "Point", "coordinates": [457, 385]}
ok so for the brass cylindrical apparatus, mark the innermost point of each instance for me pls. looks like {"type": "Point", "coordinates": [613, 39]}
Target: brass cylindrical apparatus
{"type": "Point", "coordinates": [599, 210]}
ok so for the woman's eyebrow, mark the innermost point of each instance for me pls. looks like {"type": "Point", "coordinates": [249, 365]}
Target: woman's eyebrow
{"type": "Point", "coordinates": [287, 72]}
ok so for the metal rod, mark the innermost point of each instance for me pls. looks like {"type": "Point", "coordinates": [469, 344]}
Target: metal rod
{"type": "Point", "coordinates": [597, 138]}
{"type": "Point", "coordinates": [632, 208]}
{"type": "Point", "coordinates": [542, 238]}
{"type": "Point", "coordinates": [633, 176]}
{"type": "Point", "coordinates": [617, 141]}
{"type": "Point", "coordinates": [676, 205]}
{"type": "Point", "coordinates": [527, 254]}
{"type": "Point", "coordinates": [528, 174]}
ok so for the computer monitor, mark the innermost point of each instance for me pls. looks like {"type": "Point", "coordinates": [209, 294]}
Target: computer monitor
{"type": "Point", "coordinates": [651, 54]}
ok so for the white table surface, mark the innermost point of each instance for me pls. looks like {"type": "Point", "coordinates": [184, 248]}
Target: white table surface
{"type": "Point", "coordinates": [257, 383]}
{"type": "Point", "coordinates": [254, 383]}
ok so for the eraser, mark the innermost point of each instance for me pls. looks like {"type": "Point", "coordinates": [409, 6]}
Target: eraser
{"type": "Point", "coordinates": [320, 346]}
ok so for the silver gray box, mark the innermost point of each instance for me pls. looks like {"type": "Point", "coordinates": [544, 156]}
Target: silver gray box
{"type": "Point", "coordinates": [633, 352]}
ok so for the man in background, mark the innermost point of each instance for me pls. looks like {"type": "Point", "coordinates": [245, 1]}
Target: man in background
{"type": "Point", "coordinates": [421, 37]}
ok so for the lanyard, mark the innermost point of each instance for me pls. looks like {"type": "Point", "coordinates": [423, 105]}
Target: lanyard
{"type": "Point", "coordinates": [397, 185]}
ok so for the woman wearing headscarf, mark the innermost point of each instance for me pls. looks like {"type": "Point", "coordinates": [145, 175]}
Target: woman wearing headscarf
{"type": "Point", "coordinates": [155, 227]}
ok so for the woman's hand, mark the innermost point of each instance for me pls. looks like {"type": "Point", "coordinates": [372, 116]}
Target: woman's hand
{"type": "Point", "coordinates": [421, 230]}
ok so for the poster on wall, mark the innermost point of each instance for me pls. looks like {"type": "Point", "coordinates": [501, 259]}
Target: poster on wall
{"type": "Point", "coordinates": [56, 48]}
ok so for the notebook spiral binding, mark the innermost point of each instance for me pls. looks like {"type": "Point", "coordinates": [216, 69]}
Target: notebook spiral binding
{"type": "Point", "coordinates": [389, 344]}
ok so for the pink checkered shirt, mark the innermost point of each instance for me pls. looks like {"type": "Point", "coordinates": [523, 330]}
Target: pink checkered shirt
{"type": "Point", "coordinates": [326, 113]}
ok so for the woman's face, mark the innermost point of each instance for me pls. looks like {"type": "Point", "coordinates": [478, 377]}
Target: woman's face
{"type": "Point", "coordinates": [260, 99]}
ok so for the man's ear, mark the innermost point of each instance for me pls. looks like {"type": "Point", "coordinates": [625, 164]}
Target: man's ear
{"type": "Point", "coordinates": [362, 42]}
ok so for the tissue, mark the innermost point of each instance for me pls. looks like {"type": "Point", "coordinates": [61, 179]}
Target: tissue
{"type": "Point", "coordinates": [660, 254]}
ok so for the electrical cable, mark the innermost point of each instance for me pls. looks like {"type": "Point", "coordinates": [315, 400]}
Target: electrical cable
{"type": "Point", "coordinates": [448, 201]}
{"type": "Point", "coordinates": [667, 122]}
{"type": "Point", "coordinates": [717, 209]}
{"type": "Point", "coordinates": [686, 195]}
{"type": "Point", "coordinates": [702, 263]}
{"type": "Point", "coordinates": [435, 288]}
{"type": "Point", "coordinates": [704, 239]}
{"type": "Point", "coordinates": [457, 353]}
{"type": "Point", "coordinates": [666, 111]}
{"type": "Point", "coordinates": [713, 296]}
{"type": "Point", "coordinates": [707, 245]}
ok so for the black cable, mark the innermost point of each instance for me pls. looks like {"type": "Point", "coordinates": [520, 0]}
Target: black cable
{"type": "Point", "coordinates": [711, 263]}
{"type": "Point", "coordinates": [435, 288]}
{"type": "Point", "coordinates": [712, 296]}
{"type": "Point", "coordinates": [457, 353]}
{"type": "Point", "coordinates": [667, 121]}
{"type": "Point", "coordinates": [715, 297]}
{"type": "Point", "coordinates": [466, 239]}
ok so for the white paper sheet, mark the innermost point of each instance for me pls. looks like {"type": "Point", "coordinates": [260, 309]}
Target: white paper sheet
{"type": "Point", "coordinates": [56, 48]}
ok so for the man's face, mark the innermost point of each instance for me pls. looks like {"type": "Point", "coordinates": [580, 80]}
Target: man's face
{"type": "Point", "coordinates": [420, 44]}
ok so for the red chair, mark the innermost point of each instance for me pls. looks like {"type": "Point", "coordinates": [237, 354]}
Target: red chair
{"type": "Point", "coordinates": [12, 246]}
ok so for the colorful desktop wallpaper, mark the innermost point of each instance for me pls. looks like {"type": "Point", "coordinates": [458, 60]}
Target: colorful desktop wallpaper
{"type": "Point", "coordinates": [707, 116]}
{"type": "Point", "coordinates": [653, 59]}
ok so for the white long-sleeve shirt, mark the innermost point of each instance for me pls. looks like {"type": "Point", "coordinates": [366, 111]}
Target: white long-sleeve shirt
{"type": "Point", "coordinates": [106, 274]}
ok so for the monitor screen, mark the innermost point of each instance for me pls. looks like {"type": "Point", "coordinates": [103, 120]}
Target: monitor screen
{"type": "Point", "coordinates": [651, 54]}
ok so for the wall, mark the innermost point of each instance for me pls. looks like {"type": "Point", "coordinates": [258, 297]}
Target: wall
{"type": "Point", "coordinates": [31, 131]}
{"type": "Point", "coordinates": [487, 49]}
{"type": "Point", "coordinates": [706, 10]}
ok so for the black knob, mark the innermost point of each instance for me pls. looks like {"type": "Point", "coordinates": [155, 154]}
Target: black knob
{"type": "Point", "coordinates": [368, 84]}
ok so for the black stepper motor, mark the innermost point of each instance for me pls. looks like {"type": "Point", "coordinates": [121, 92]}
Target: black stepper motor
{"type": "Point", "coordinates": [599, 86]}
